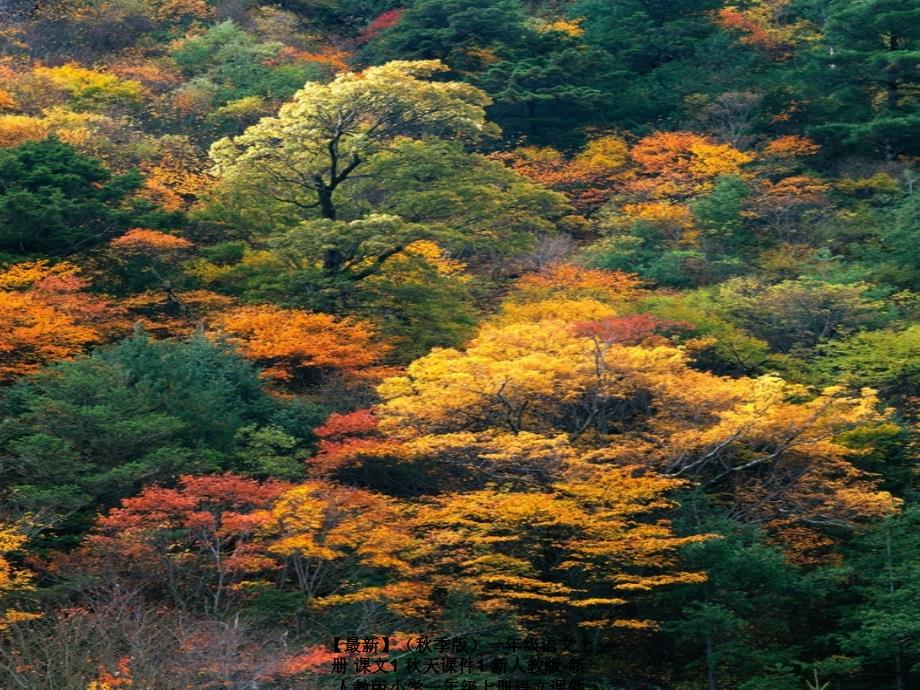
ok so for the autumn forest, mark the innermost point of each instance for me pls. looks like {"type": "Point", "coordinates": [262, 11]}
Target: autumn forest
{"type": "Point", "coordinates": [503, 319]}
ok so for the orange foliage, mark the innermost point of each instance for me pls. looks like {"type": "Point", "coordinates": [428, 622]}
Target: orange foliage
{"type": "Point", "coordinates": [155, 76]}
{"type": "Point", "coordinates": [121, 678]}
{"type": "Point", "coordinates": [150, 242]}
{"type": "Point", "coordinates": [587, 180]}
{"type": "Point", "coordinates": [175, 314]}
{"type": "Point", "coordinates": [790, 146]}
{"type": "Point", "coordinates": [333, 58]}
{"type": "Point", "coordinates": [382, 22]}
{"type": "Point", "coordinates": [316, 659]}
{"type": "Point", "coordinates": [803, 545]}
{"type": "Point", "coordinates": [755, 34]}
{"type": "Point", "coordinates": [762, 27]}
{"type": "Point", "coordinates": [348, 439]}
{"type": "Point", "coordinates": [339, 425]}
{"type": "Point", "coordinates": [288, 341]}
{"type": "Point", "coordinates": [683, 163]}
{"type": "Point", "coordinates": [46, 315]}
{"type": "Point", "coordinates": [634, 329]}
{"type": "Point", "coordinates": [174, 10]}
{"type": "Point", "coordinates": [575, 281]}
{"type": "Point", "coordinates": [7, 102]}
{"type": "Point", "coordinates": [780, 202]}
{"type": "Point", "coordinates": [211, 503]}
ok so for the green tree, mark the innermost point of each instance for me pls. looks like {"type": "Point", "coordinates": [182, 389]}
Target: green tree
{"type": "Point", "coordinates": [327, 133]}
{"type": "Point", "coordinates": [237, 65]}
{"type": "Point", "coordinates": [870, 67]}
{"type": "Point", "coordinates": [350, 173]}
{"type": "Point", "coordinates": [642, 249]}
{"type": "Point", "coordinates": [57, 201]}
{"type": "Point", "coordinates": [461, 33]}
{"type": "Point", "coordinates": [887, 360]}
{"type": "Point", "coordinates": [797, 314]}
{"type": "Point", "coordinates": [899, 248]}
{"type": "Point", "coordinates": [884, 630]}
{"type": "Point", "coordinates": [664, 49]}
{"type": "Point", "coordinates": [85, 433]}
{"type": "Point", "coordinates": [724, 347]}
{"type": "Point", "coordinates": [554, 87]}
{"type": "Point", "coordinates": [719, 218]}
{"type": "Point", "coordinates": [745, 625]}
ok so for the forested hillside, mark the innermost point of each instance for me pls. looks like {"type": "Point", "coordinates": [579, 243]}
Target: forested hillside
{"type": "Point", "coordinates": [470, 319]}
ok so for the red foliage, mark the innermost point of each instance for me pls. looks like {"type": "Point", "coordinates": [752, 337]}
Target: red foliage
{"type": "Point", "coordinates": [203, 501]}
{"type": "Point", "coordinates": [348, 439]}
{"type": "Point", "coordinates": [317, 659]}
{"type": "Point", "coordinates": [205, 531]}
{"type": "Point", "coordinates": [635, 329]}
{"type": "Point", "coordinates": [381, 23]}
{"type": "Point", "coordinates": [340, 425]}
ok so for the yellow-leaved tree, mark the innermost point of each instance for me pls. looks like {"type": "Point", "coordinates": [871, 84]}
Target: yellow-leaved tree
{"type": "Point", "coordinates": [12, 579]}
{"type": "Point", "coordinates": [544, 454]}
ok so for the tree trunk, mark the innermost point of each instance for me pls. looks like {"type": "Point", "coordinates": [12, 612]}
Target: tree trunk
{"type": "Point", "coordinates": [711, 678]}
{"type": "Point", "coordinates": [896, 655]}
{"type": "Point", "coordinates": [891, 84]}
{"type": "Point", "coordinates": [324, 193]}
{"type": "Point", "coordinates": [332, 262]}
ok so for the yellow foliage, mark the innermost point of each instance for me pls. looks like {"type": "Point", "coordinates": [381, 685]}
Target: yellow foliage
{"type": "Point", "coordinates": [319, 526]}
{"type": "Point", "coordinates": [90, 132]}
{"type": "Point", "coordinates": [90, 88]}
{"type": "Point", "coordinates": [518, 376]}
{"type": "Point", "coordinates": [675, 219]}
{"type": "Point", "coordinates": [26, 274]}
{"type": "Point", "coordinates": [608, 153]}
{"type": "Point", "coordinates": [12, 579]}
{"type": "Point", "coordinates": [560, 310]}
{"type": "Point", "coordinates": [523, 375]}
{"type": "Point", "coordinates": [436, 256]}
{"type": "Point", "coordinates": [16, 129]}
{"type": "Point", "coordinates": [589, 520]}
{"type": "Point", "coordinates": [570, 27]}
{"type": "Point", "coordinates": [254, 260]}
{"type": "Point", "coordinates": [683, 163]}
{"type": "Point", "coordinates": [711, 160]}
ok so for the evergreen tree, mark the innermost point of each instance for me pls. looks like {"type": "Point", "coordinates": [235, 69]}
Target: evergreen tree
{"type": "Point", "coordinates": [870, 63]}
{"type": "Point", "coordinates": [58, 201]}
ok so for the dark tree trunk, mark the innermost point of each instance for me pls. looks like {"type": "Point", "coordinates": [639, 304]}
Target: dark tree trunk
{"type": "Point", "coordinates": [326, 207]}
{"type": "Point", "coordinates": [711, 678]}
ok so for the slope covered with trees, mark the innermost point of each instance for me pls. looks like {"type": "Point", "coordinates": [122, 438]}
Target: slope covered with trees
{"type": "Point", "coordinates": [490, 318]}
